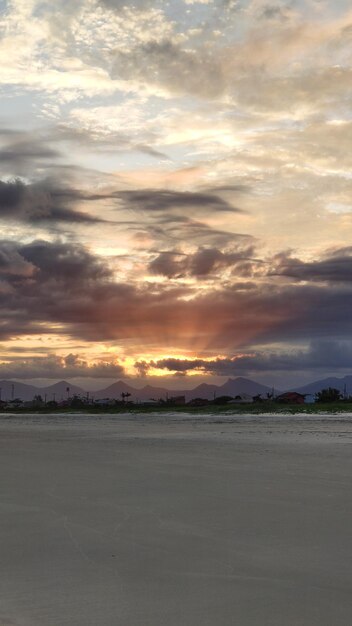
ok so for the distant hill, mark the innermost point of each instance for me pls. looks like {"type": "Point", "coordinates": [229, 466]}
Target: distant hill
{"type": "Point", "coordinates": [59, 390]}
{"type": "Point", "coordinates": [232, 387]}
{"type": "Point", "coordinates": [114, 391]}
{"type": "Point", "coordinates": [150, 392]}
{"type": "Point", "coordinates": [204, 390]}
{"type": "Point", "coordinates": [11, 389]}
{"type": "Point", "coordinates": [146, 393]}
{"type": "Point", "coordinates": [25, 392]}
{"type": "Point", "coordinates": [236, 386]}
{"type": "Point", "coordinates": [336, 383]}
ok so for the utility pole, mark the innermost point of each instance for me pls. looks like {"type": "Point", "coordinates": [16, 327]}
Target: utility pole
{"type": "Point", "coordinates": [12, 391]}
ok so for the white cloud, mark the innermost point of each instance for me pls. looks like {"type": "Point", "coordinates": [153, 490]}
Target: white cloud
{"type": "Point", "coordinates": [339, 208]}
{"type": "Point", "coordinates": [198, 1]}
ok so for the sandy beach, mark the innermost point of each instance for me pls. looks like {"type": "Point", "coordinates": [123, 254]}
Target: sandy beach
{"type": "Point", "coordinates": [175, 520]}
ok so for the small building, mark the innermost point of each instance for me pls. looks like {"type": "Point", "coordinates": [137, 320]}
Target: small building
{"type": "Point", "coordinates": [291, 397]}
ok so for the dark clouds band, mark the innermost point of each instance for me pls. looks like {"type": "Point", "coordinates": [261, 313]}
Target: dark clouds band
{"type": "Point", "coordinates": [65, 283]}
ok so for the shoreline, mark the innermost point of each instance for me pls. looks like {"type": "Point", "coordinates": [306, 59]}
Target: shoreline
{"type": "Point", "coordinates": [248, 409]}
{"type": "Point", "coordinates": [197, 413]}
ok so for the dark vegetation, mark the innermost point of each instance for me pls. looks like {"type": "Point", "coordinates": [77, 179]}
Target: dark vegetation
{"type": "Point", "coordinates": [328, 395]}
{"type": "Point", "coordinates": [326, 401]}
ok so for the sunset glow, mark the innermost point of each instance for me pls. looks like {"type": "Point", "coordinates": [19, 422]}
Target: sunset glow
{"type": "Point", "coordinates": [175, 189]}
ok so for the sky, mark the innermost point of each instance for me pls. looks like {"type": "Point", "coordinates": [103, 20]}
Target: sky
{"type": "Point", "coordinates": [175, 190]}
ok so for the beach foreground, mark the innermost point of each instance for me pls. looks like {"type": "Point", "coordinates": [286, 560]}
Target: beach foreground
{"type": "Point", "coordinates": [175, 520]}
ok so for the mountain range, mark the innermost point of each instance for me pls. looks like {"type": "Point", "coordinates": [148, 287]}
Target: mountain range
{"type": "Point", "coordinates": [10, 389]}
{"type": "Point", "coordinates": [342, 384]}
{"type": "Point", "coordinates": [232, 387]}
{"type": "Point", "coordinates": [63, 389]}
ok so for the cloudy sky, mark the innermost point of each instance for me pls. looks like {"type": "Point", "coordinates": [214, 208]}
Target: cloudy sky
{"type": "Point", "coordinates": [176, 190]}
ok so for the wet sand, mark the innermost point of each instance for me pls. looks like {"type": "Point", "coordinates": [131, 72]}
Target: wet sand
{"type": "Point", "coordinates": [175, 521]}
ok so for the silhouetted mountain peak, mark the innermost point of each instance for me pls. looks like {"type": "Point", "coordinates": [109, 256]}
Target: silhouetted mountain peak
{"type": "Point", "coordinates": [337, 383]}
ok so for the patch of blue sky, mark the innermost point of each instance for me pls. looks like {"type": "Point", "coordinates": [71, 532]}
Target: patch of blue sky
{"type": "Point", "coordinates": [98, 100]}
{"type": "Point", "coordinates": [19, 109]}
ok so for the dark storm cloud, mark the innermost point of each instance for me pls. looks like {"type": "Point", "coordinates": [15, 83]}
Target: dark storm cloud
{"type": "Point", "coordinates": [53, 366]}
{"type": "Point", "coordinates": [239, 188]}
{"type": "Point", "coordinates": [335, 267]}
{"type": "Point", "coordinates": [24, 152]}
{"type": "Point", "coordinates": [12, 263]}
{"type": "Point", "coordinates": [324, 355]}
{"type": "Point", "coordinates": [41, 268]}
{"type": "Point", "coordinates": [173, 365]}
{"type": "Point", "coordinates": [204, 262]}
{"type": "Point", "coordinates": [162, 200]}
{"type": "Point", "coordinates": [16, 153]}
{"type": "Point", "coordinates": [178, 229]}
{"type": "Point", "coordinates": [40, 202]}
{"type": "Point", "coordinates": [170, 264]}
{"type": "Point", "coordinates": [64, 263]}
{"type": "Point", "coordinates": [219, 366]}
{"type": "Point", "coordinates": [64, 284]}
{"type": "Point", "coordinates": [211, 260]}
{"type": "Point", "coordinates": [166, 215]}
{"type": "Point", "coordinates": [55, 283]}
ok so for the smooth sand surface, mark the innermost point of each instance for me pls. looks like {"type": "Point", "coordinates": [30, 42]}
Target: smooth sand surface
{"type": "Point", "coordinates": [175, 521]}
